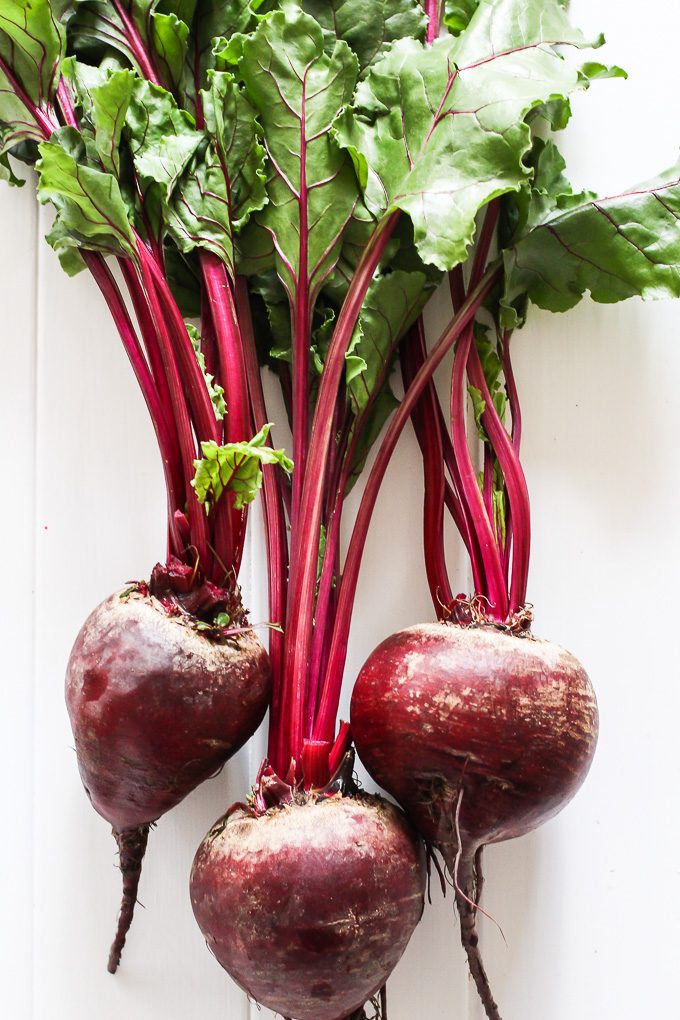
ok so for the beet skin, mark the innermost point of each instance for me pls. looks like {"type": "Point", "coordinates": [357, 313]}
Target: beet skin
{"type": "Point", "coordinates": [481, 736]}
{"type": "Point", "coordinates": [156, 707]}
{"type": "Point", "coordinates": [310, 906]}
{"type": "Point", "coordinates": [509, 721]}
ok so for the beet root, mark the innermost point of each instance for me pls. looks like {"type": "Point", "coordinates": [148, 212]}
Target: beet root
{"type": "Point", "coordinates": [309, 906]}
{"type": "Point", "coordinates": [480, 735]}
{"type": "Point", "coordinates": [156, 707]}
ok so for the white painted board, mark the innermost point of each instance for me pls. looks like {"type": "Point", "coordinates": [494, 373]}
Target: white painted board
{"type": "Point", "coordinates": [586, 903]}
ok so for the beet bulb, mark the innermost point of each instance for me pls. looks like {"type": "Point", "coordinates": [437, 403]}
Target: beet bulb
{"type": "Point", "coordinates": [156, 706]}
{"type": "Point", "coordinates": [481, 736]}
{"type": "Point", "coordinates": [310, 904]}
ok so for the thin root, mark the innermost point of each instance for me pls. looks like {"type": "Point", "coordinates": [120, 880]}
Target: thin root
{"type": "Point", "coordinates": [131, 849]}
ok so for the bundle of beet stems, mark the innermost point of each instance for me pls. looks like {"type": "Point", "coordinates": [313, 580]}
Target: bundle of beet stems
{"type": "Point", "coordinates": [286, 184]}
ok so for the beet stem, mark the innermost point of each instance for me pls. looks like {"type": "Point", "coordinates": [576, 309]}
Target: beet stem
{"type": "Point", "coordinates": [131, 849]}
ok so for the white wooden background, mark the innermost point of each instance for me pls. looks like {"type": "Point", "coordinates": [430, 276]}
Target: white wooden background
{"type": "Point", "coordinates": [589, 905]}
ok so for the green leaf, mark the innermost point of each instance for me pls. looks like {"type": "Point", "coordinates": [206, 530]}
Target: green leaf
{"type": "Point", "coordinates": [235, 467]}
{"type": "Point", "coordinates": [440, 131]}
{"type": "Point", "coordinates": [198, 214]}
{"type": "Point", "coordinates": [185, 284]}
{"type": "Point", "coordinates": [104, 98]}
{"type": "Point", "coordinates": [32, 43]}
{"type": "Point", "coordinates": [16, 123]}
{"type": "Point", "coordinates": [537, 197]}
{"type": "Point", "coordinates": [7, 174]}
{"type": "Point", "coordinates": [62, 240]}
{"type": "Point", "coordinates": [298, 90]}
{"type": "Point", "coordinates": [613, 247]}
{"type": "Point", "coordinates": [596, 72]}
{"type": "Point", "coordinates": [230, 120]}
{"type": "Point", "coordinates": [457, 14]}
{"type": "Point", "coordinates": [162, 140]}
{"type": "Point", "coordinates": [95, 30]}
{"type": "Point", "coordinates": [392, 303]}
{"type": "Point", "coordinates": [215, 392]}
{"type": "Point", "coordinates": [381, 408]}
{"type": "Point", "coordinates": [209, 207]}
{"type": "Point", "coordinates": [170, 42]}
{"type": "Point", "coordinates": [90, 208]}
{"type": "Point", "coordinates": [369, 27]}
{"type": "Point", "coordinates": [479, 407]}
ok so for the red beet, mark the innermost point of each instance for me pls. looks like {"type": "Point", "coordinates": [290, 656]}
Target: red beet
{"type": "Point", "coordinates": [156, 707]}
{"type": "Point", "coordinates": [310, 905]}
{"type": "Point", "coordinates": [480, 735]}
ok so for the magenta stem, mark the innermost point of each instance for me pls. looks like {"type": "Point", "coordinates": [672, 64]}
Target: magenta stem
{"type": "Point", "coordinates": [199, 399]}
{"type": "Point", "coordinates": [66, 104]}
{"type": "Point", "coordinates": [238, 426]}
{"type": "Point", "coordinates": [433, 9]}
{"type": "Point", "coordinates": [42, 119]}
{"type": "Point", "coordinates": [515, 483]}
{"type": "Point", "coordinates": [137, 47]}
{"type": "Point", "coordinates": [330, 697]}
{"type": "Point", "coordinates": [494, 584]}
{"type": "Point", "coordinates": [274, 516]}
{"type": "Point", "coordinates": [305, 543]}
{"type": "Point", "coordinates": [229, 347]}
{"type": "Point", "coordinates": [426, 426]}
{"type": "Point", "coordinates": [197, 518]}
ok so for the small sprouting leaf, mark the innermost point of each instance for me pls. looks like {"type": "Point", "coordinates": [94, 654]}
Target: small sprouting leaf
{"type": "Point", "coordinates": [595, 71]}
{"type": "Point", "coordinates": [235, 467]}
{"type": "Point", "coordinates": [498, 502]}
{"type": "Point", "coordinates": [478, 407]}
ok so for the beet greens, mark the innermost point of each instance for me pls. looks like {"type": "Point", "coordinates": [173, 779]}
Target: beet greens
{"type": "Point", "coordinates": [286, 184]}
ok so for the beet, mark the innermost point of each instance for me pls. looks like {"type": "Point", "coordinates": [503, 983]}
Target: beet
{"type": "Point", "coordinates": [480, 735]}
{"type": "Point", "coordinates": [310, 905]}
{"type": "Point", "coordinates": [156, 707]}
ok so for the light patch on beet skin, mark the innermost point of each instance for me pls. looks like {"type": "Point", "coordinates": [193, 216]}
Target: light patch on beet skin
{"type": "Point", "coordinates": [310, 906]}
{"type": "Point", "coordinates": [511, 720]}
{"type": "Point", "coordinates": [171, 706]}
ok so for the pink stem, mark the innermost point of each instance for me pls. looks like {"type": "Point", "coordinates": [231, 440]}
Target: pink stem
{"type": "Point", "coordinates": [494, 588]}
{"type": "Point", "coordinates": [304, 553]}
{"type": "Point", "coordinates": [197, 518]}
{"type": "Point", "coordinates": [136, 45]}
{"type": "Point", "coordinates": [426, 426]}
{"type": "Point", "coordinates": [274, 517]}
{"type": "Point", "coordinates": [328, 707]}
{"type": "Point", "coordinates": [433, 9]}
